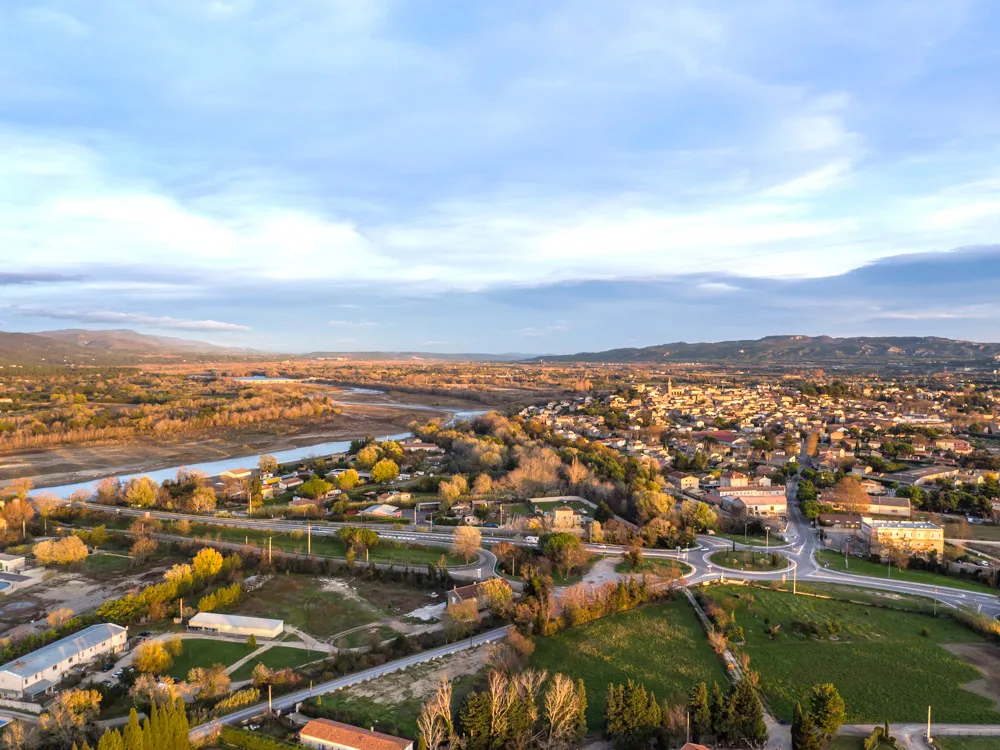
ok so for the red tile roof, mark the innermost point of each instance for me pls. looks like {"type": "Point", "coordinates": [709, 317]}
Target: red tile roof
{"type": "Point", "coordinates": [334, 732]}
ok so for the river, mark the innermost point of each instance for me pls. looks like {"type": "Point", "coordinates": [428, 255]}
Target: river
{"type": "Point", "coordinates": [214, 468]}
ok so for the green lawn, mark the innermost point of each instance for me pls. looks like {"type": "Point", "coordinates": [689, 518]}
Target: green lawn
{"type": "Point", "coordinates": [661, 646]}
{"type": "Point", "coordinates": [278, 657]}
{"type": "Point", "coordinates": [364, 637]}
{"type": "Point", "coordinates": [749, 560]}
{"type": "Point", "coordinates": [204, 652]}
{"type": "Point", "coordinates": [876, 570]}
{"type": "Point", "coordinates": [966, 743]}
{"type": "Point", "coordinates": [874, 597]}
{"type": "Point", "coordinates": [882, 664]}
{"type": "Point", "coordinates": [759, 541]}
{"type": "Point", "coordinates": [325, 607]}
{"type": "Point", "coordinates": [656, 567]}
{"type": "Point", "coordinates": [518, 509]}
{"type": "Point", "coordinates": [101, 563]}
{"type": "Point", "coordinates": [578, 506]}
{"type": "Point", "coordinates": [328, 545]}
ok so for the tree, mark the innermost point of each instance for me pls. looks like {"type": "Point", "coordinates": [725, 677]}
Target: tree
{"type": "Point", "coordinates": [633, 716]}
{"type": "Point", "coordinates": [367, 457]}
{"type": "Point", "coordinates": [827, 708]}
{"type": "Point", "coordinates": [358, 537]}
{"type": "Point", "coordinates": [698, 516]}
{"type": "Point", "coordinates": [581, 719]}
{"type": "Point", "coordinates": [203, 500]}
{"type": "Point", "coordinates": [651, 503]}
{"type": "Point", "coordinates": [804, 734]}
{"type": "Point", "coordinates": [252, 642]}
{"type": "Point", "coordinates": [562, 713]}
{"type": "Point", "coordinates": [143, 548]}
{"type": "Point", "coordinates": [267, 464]}
{"type": "Point", "coordinates": [348, 480]}
{"type": "Point", "coordinates": [46, 504]}
{"type": "Point", "coordinates": [565, 550]}
{"type": "Point", "coordinates": [700, 712]}
{"type": "Point", "coordinates": [65, 551]}
{"type": "Point", "coordinates": [17, 512]}
{"type": "Point", "coordinates": [467, 542]}
{"type": "Point", "coordinates": [141, 492]}
{"type": "Point", "coordinates": [314, 487]}
{"type": "Point", "coordinates": [16, 489]}
{"type": "Point", "coordinates": [58, 617]}
{"type": "Point", "coordinates": [207, 563]}
{"type": "Point", "coordinates": [434, 723]}
{"type": "Point", "coordinates": [108, 491]}
{"type": "Point", "coordinates": [20, 735]}
{"type": "Point", "coordinates": [483, 485]}
{"type": "Point", "coordinates": [633, 555]}
{"type": "Point", "coordinates": [849, 497]}
{"type": "Point", "coordinates": [746, 715]}
{"type": "Point", "coordinates": [385, 471]}
{"type": "Point", "coordinates": [152, 658]}
{"type": "Point", "coordinates": [497, 594]}
{"type": "Point", "coordinates": [209, 682]}
{"type": "Point", "coordinates": [720, 711]}
{"type": "Point", "coordinates": [69, 714]}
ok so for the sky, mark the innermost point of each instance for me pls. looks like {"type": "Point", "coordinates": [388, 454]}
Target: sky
{"type": "Point", "coordinates": [532, 177]}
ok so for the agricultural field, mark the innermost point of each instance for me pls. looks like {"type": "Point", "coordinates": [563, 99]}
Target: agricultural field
{"type": "Point", "coordinates": [278, 657]}
{"type": "Point", "coordinates": [662, 646]}
{"type": "Point", "coordinates": [204, 652]}
{"type": "Point", "coordinates": [886, 664]}
{"type": "Point", "coordinates": [324, 607]}
{"type": "Point", "coordinates": [835, 561]}
{"type": "Point", "coordinates": [748, 559]}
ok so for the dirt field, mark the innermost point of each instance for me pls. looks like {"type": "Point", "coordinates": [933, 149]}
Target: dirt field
{"type": "Point", "coordinates": [985, 658]}
{"type": "Point", "coordinates": [421, 681]}
{"type": "Point", "coordinates": [78, 463]}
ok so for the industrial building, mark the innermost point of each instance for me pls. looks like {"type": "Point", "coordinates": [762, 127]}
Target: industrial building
{"type": "Point", "coordinates": [259, 627]}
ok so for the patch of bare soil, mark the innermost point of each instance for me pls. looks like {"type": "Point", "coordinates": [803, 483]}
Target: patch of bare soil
{"type": "Point", "coordinates": [986, 658]}
{"type": "Point", "coordinates": [78, 463]}
{"type": "Point", "coordinates": [421, 681]}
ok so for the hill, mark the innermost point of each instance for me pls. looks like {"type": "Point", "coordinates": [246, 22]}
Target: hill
{"type": "Point", "coordinates": [801, 350]}
{"type": "Point", "coordinates": [114, 347]}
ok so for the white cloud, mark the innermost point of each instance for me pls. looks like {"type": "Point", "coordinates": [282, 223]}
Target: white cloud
{"type": "Point", "coordinates": [127, 318]}
{"type": "Point", "coordinates": [352, 323]}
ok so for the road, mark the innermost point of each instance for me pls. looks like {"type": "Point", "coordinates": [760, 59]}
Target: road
{"type": "Point", "coordinates": [284, 702]}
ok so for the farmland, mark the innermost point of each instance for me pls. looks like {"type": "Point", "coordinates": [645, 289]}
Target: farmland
{"type": "Point", "coordinates": [661, 646]}
{"type": "Point", "coordinates": [886, 664]}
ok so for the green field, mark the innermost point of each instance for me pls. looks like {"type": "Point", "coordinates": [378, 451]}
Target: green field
{"type": "Point", "coordinates": [966, 743]}
{"type": "Point", "coordinates": [278, 657]}
{"type": "Point", "coordinates": [325, 607]}
{"type": "Point", "coordinates": [655, 567]}
{"type": "Point", "coordinates": [749, 560]}
{"type": "Point", "coordinates": [883, 665]}
{"type": "Point", "coordinates": [864, 596]}
{"type": "Point", "coordinates": [328, 545]}
{"type": "Point", "coordinates": [583, 508]}
{"type": "Point", "coordinates": [662, 646]}
{"type": "Point", "coordinates": [836, 561]}
{"type": "Point", "coordinates": [205, 652]}
{"type": "Point", "coordinates": [757, 541]}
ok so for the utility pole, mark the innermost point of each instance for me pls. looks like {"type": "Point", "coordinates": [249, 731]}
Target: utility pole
{"type": "Point", "coordinates": [795, 577]}
{"type": "Point", "coordinates": [309, 539]}
{"type": "Point", "coordinates": [269, 710]}
{"type": "Point", "coordinates": [269, 550]}
{"type": "Point", "coordinates": [929, 724]}
{"type": "Point", "coordinates": [180, 608]}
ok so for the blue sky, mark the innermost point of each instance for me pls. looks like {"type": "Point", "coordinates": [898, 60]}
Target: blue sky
{"type": "Point", "coordinates": [487, 177]}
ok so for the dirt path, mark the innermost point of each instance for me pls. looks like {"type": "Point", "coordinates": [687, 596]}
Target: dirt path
{"type": "Point", "coordinates": [985, 658]}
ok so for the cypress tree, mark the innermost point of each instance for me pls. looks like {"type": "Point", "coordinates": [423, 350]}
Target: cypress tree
{"type": "Point", "coordinates": [804, 734]}
{"type": "Point", "coordinates": [111, 740]}
{"type": "Point", "coordinates": [148, 739]}
{"type": "Point", "coordinates": [183, 727]}
{"type": "Point", "coordinates": [701, 713]}
{"type": "Point", "coordinates": [581, 720]}
{"type": "Point", "coordinates": [720, 713]}
{"type": "Point", "coordinates": [475, 721]}
{"type": "Point", "coordinates": [746, 715]}
{"type": "Point", "coordinates": [613, 712]}
{"type": "Point", "coordinates": [827, 708]}
{"type": "Point", "coordinates": [133, 732]}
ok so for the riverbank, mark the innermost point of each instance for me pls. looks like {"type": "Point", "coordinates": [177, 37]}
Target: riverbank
{"type": "Point", "coordinates": [72, 464]}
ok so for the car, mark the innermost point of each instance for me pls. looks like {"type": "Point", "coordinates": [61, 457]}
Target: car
{"type": "Point", "coordinates": [492, 526]}
{"type": "Point", "coordinates": [531, 539]}
{"type": "Point", "coordinates": [145, 633]}
{"type": "Point", "coordinates": [106, 682]}
{"type": "Point", "coordinates": [107, 666]}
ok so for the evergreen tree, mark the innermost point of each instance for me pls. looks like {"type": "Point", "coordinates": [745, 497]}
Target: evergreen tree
{"type": "Point", "coordinates": [700, 712]}
{"type": "Point", "coordinates": [613, 711]}
{"type": "Point", "coordinates": [746, 724]}
{"type": "Point", "coordinates": [804, 734]}
{"type": "Point", "coordinates": [827, 708]}
{"type": "Point", "coordinates": [475, 721]}
{"type": "Point", "coordinates": [133, 732]}
{"type": "Point", "coordinates": [720, 713]}
{"type": "Point", "coordinates": [581, 722]}
{"type": "Point", "coordinates": [111, 740]}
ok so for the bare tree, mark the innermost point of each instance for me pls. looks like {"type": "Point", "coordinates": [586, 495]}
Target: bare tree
{"type": "Point", "coordinates": [562, 710]}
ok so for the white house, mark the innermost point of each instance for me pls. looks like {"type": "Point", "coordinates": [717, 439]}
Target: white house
{"type": "Point", "coordinates": [259, 627]}
{"type": "Point", "coordinates": [39, 671]}
{"type": "Point", "coordinates": [11, 563]}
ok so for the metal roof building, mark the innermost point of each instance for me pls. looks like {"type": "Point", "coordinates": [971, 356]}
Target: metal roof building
{"type": "Point", "coordinates": [259, 627]}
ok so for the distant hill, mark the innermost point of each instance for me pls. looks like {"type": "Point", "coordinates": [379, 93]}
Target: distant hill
{"type": "Point", "coordinates": [800, 350]}
{"type": "Point", "coordinates": [114, 347]}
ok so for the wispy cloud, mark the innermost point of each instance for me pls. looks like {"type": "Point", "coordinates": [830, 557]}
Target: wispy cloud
{"type": "Point", "coordinates": [128, 318]}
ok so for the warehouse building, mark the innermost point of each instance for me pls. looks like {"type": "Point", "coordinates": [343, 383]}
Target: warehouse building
{"type": "Point", "coordinates": [325, 734]}
{"type": "Point", "coordinates": [259, 627]}
{"type": "Point", "coordinates": [38, 672]}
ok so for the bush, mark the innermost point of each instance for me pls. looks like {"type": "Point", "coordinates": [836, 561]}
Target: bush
{"type": "Point", "coordinates": [244, 740]}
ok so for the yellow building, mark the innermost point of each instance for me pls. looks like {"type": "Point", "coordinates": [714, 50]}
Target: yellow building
{"type": "Point", "coordinates": [914, 537]}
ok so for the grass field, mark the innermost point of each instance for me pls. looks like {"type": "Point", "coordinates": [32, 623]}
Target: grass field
{"type": "Point", "coordinates": [966, 743]}
{"type": "Point", "coordinates": [661, 646]}
{"type": "Point", "coordinates": [654, 567]}
{"type": "Point", "coordinates": [758, 541]}
{"type": "Point", "coordinates": [835, 560]}
{"type": "Point", "coordinates": [578, 506]}
{"type": "Point", "coordinates": [328, 545]}
{"type": "Point", "coordinates": [278, 657]}
{"type": "Point", "coordinates": [881, 662]}
{"type": "Point", "coordinates": [875, 597]}
{"type": "Point", "coordinates": [204, 652]}
{"type": "Point", "coordinates": [749, 560]}
{"type": "Point", "coordinates": [324, 607]}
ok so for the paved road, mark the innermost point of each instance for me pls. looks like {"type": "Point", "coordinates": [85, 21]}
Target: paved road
{"type": "Point", "coordinates": [284, 702]}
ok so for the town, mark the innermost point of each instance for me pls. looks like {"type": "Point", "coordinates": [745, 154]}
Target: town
{"type": "Point", "coordinates": [693, 557]}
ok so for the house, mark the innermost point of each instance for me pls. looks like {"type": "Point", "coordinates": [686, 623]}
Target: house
{"type": "Point", "coordinates": [694, 746]}
{"type": "Point", "coordinates": [326, 734]}
{"type": "Point", "coordinates": [773, 505]}
{"type": "Point", "coordinates": [909, 536]}
{"type": "Point", "coordinates": [303, 502]}
{"type": "Point", "coordinates": [464, 594]}
{"type": "Point", "coordinates": [840, 520]}
{"type": "Point", "coordinates": [953, 444]}
{"type": "Point", "coordinates": [564, 518]}
{"type": "Point", "coordinates": [419, 445]}
{"type": "Point", "coordinates": [734, 479]}
{"type": "Point", "coordinates": [683, 481]}
{"type": "Point", "coordinates": [258, 627]}
{"type": "Point", "coordinates": [922, 476]}
{"type": "Point", "coordinates": [395, 497]}
{"type": "Point", "coordinates": [382, 511]}
{"type": "Point", "coordinates": [39, 671]}
{"type": "Point", "coordinates": [236, 474]}
{"type": "Point", "coordinates": [288, 483]}
{"type": "Point", "coordinates": [11, 563]}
